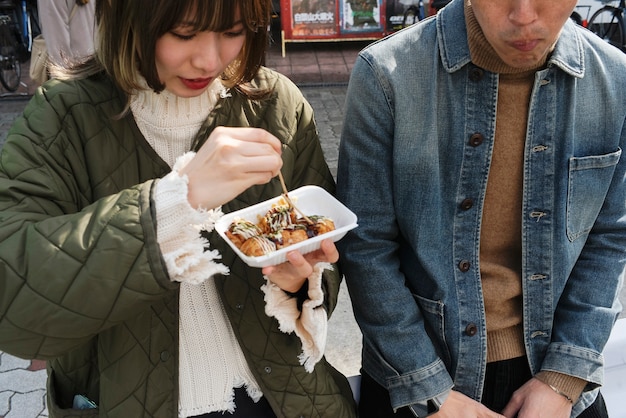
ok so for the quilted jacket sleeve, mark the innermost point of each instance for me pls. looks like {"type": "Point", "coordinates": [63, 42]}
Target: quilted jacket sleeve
{"type": "Point", "coordinates": [71, 264]}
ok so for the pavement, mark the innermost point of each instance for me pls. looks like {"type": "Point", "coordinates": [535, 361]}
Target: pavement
{"type": "Point", "coordinates": [321, 70]}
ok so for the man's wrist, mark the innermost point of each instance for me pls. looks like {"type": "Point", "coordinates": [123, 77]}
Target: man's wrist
{"type": "Point", "coordinates": [563, 394]}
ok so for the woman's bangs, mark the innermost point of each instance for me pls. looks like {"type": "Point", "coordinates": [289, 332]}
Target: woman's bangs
{"type": "Point", "coordinates": [213, 15]}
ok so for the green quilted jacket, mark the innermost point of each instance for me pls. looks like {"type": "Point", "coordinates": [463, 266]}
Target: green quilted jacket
{"type": "Point", "coordinates": [91, 295]}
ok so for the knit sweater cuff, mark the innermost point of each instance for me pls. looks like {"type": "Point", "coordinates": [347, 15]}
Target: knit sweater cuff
{"type": "Point", "coordinates": [178, 230]}
{"type": "Point", "coordinates": [310, 324]}
{"type": "Point", "coordinates": [568, 385]}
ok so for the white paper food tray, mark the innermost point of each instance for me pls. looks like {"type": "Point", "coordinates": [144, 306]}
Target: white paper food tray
{"type": "Point", "coordinates": [310, 200]}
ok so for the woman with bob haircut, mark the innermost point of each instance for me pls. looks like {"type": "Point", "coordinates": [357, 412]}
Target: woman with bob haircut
{"type": "Point", "coordinates": [110, 185]}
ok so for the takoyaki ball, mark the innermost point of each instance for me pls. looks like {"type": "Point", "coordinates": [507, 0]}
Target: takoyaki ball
{"type": "Point", "coordinates": [240, 230]}
{"type": "Point", "coordinates": [289, 236]}
{"type": "Point", "coordinates": [257, 246]}
{"type": "Point", "coordinates": [277, 218]}
{"type": "Point", "coordinates": [323, 225]}
{"type": "Point", "coordinates": [320, 225]}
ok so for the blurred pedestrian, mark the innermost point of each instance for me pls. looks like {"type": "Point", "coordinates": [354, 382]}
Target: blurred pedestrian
{"type": "Point", "coordinates": [68, 27]}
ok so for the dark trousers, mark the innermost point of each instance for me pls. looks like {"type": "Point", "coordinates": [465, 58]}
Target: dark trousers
{"type": "Point", "coordinates": [502, 379]}
{"type": "Point", "coordinates": [245, 408]}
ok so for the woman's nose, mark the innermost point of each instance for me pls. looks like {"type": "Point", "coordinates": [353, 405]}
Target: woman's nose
{"type": "Point", "coordinates": [207, 52]}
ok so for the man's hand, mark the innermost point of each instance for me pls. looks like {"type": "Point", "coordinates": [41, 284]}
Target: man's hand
{"type": "Point", "coordinates": [458, 405]}
{"type": "Point", "coordinates": [536, 399]}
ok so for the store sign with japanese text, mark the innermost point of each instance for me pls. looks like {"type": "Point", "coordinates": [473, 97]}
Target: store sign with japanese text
{"type": "Point", "coordinates": [332, 19]}
{"type": "Point", "coordinates": [313, 18]}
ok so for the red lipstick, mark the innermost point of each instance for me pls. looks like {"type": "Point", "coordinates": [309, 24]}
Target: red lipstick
{"type": "Point", "coordinates": [196, 83]}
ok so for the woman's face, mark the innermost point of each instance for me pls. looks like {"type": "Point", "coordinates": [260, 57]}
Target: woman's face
{"type": "Point", "coordinates": [188, 61]}
{"type": "Point", "coordinates": [522, 32]}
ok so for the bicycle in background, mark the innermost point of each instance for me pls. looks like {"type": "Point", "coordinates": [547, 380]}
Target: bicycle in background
{"type": "Point", "coordinates": [19, 25]}
{"type": "Point", "coordinates": [29, 24]}
{"type": "Point", "coordinates": [608, 23]}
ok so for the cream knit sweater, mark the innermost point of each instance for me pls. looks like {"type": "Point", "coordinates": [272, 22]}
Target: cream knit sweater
{"type": "Point", "coordinates": [211, 360]}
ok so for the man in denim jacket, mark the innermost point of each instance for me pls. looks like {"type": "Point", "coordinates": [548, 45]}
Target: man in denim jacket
{"type": "Point", "coordinates": [481, 151]}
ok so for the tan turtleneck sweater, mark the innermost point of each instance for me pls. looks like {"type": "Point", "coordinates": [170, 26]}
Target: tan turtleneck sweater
{"type": "Point", "coordinates": [500, 237]}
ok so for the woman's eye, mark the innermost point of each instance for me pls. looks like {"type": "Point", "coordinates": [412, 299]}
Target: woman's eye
{"type": "Point", "coordinates": [183, 36]}
{"type": "Point", "coordinates": [233, 34]}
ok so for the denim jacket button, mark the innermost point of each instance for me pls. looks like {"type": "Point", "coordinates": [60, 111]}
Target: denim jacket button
{"type": "Point", "coordinates": [467, 204]}
{"type": "Point", "coordinates": [476, 74]}
{"type": "Point", "coordinates": [471, 330]}
{"type": "Point", "coordinates": [476, 139]}
{"type": "Point", "coordinates": [464, 265]}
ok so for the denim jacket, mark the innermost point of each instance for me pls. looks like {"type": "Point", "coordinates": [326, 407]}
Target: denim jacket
{"type": "Point", "coordinates": [413, 164]}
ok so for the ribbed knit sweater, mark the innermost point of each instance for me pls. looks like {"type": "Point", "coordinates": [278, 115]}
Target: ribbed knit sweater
{"type": "Point", "coordinates": [211, 362]}
{"type": "Point", "coordinates": [500, 236]}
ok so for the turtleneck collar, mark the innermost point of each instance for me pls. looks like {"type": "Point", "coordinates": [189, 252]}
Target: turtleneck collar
{"type": "Point", "coordinates": [165, 109]}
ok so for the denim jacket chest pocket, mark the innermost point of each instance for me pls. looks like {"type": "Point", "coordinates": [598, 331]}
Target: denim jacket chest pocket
{"type": "Point", "coordinates": [588, 182]}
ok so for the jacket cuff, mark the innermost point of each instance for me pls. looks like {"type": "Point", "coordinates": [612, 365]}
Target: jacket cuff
{"type": "Point", "coordinates": [310, 323]}
{"type": "Point", "coordinates": [178, 230]}
{"type": "Point", "coordinates": [568, 385]}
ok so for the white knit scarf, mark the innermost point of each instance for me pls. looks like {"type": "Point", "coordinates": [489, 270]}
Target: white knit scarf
{"type": "Point", "coordinates": [211, 360]}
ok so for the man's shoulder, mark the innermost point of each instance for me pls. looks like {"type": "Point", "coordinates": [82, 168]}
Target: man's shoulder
{"type": "Point", "coordinates": [592, 46]}
{"type": "Point", "coordinates": [596, 59]}
{"type": "Point", "coordinates": [419, 35]}
{"type": "Point", "coordinates": [405, 52]}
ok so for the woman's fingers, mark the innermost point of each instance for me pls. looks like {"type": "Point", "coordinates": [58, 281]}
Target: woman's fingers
{"type": "Point", "coordinates": [291, 275]}
{"type": "Point", "coordinates": [257, 135]}
{"type": "Point", "coordinates": [229, 162]}
{"type": "Point", "coordinates": [329, 253]}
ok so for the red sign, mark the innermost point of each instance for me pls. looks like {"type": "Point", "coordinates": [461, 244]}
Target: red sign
{"type": "Point", "coordinates": [312, 18]}
{"type": "Point", "coordinates": [332, 19]}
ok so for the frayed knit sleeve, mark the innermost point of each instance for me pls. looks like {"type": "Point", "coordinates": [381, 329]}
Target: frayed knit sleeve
{"type": "Point", "coordinates": [185, 251]}
{"type": "Point", "coordinates": [310, 324]}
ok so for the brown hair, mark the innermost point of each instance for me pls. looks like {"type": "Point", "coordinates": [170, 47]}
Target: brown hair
{"type": "Point", "coordinates": [127, 32]}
